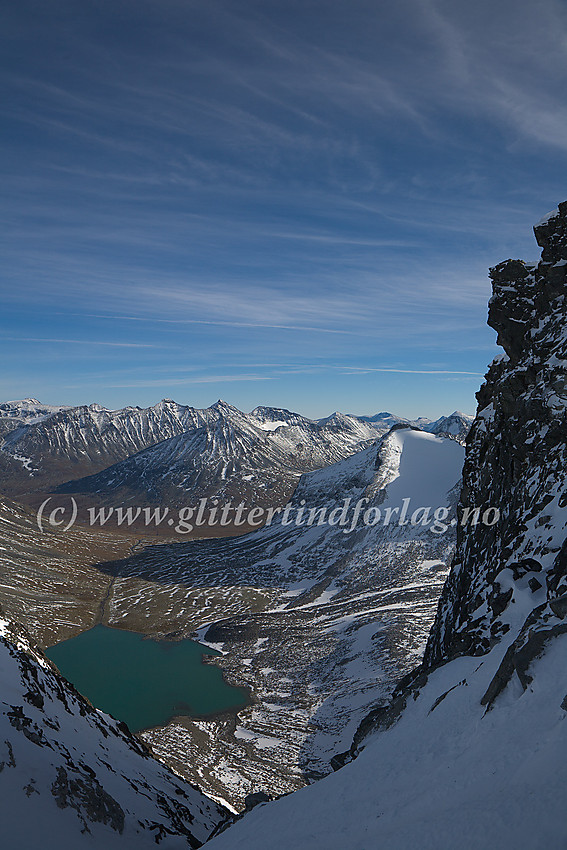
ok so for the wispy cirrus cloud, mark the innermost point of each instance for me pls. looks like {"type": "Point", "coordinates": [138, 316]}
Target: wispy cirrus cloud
{"type": "Point", "coordinates": [87, 342]}
{"type": "Point", "coordinates": [180, 382]}
{"type": "Point", "coordinates": [366, 371]}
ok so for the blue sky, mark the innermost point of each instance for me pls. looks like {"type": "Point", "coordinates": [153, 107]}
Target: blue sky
{"type": "Point", "coordinates": [285, 203]}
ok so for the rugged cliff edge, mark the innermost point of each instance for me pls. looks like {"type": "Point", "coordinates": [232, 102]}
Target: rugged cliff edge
{"type": "Point", "coordinates": [471, 751]}
{"type": "Point", "coordinates": [516, 461]}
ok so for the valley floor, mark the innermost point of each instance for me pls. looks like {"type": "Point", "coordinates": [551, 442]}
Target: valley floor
{"type": "Point", "coordinates": [319, 624]}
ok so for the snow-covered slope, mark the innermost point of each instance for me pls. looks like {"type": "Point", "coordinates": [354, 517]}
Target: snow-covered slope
{"type": "Point", "coordinates": [27, 410]}
{"type": "Point", "coordinates": [14, 414]}
{"type": "Point", "coordinates": [72, 777]}
{"type": "Point", "coordinates": [447, 775]}
{"type": "Point", "coordinates": [470, 752]}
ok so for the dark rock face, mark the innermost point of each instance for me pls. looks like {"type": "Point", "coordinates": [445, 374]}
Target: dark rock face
{"type": "Point", "coordinates": [515, 461]}
{"type": "Point", "coordinates": [89, 799]}
{"type": "Point", "coordinates": [529, 645]}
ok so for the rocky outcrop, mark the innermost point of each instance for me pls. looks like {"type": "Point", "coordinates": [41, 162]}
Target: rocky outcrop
{"type": "Point", "coordinates": [515, 461]}
{"type": "Point", "coordinates": [456, 426]}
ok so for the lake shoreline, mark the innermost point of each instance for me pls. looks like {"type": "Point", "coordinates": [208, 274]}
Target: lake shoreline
{"type": "Point", "coordinates": [133, 676]}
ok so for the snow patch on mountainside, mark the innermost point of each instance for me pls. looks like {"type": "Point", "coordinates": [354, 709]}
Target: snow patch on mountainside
{"type": "Point", "coordinates": [273, 426]}
{"type": "Point", "coordinates": [71, 776]}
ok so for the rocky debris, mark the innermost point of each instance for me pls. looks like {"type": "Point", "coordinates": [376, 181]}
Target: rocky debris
{"type": "Point", "coordinates": [255, 799]}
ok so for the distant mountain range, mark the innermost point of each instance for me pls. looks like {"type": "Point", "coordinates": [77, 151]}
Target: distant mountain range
{"type": "Point", "coordinates": [176, 453]}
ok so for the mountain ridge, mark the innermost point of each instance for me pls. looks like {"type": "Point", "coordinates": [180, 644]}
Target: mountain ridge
{"type": "Point", "coordinates": [173, 453]}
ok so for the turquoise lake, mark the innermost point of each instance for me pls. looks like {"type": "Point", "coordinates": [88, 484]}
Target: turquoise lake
{"type": "Point", "coordinates": [142, 681]}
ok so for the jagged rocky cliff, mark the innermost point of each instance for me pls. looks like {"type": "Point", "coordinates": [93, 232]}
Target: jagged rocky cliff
{"type": "Point", "coordinates": [516, 458]}
{"type": "Point", "coordinates": [470, 753]}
